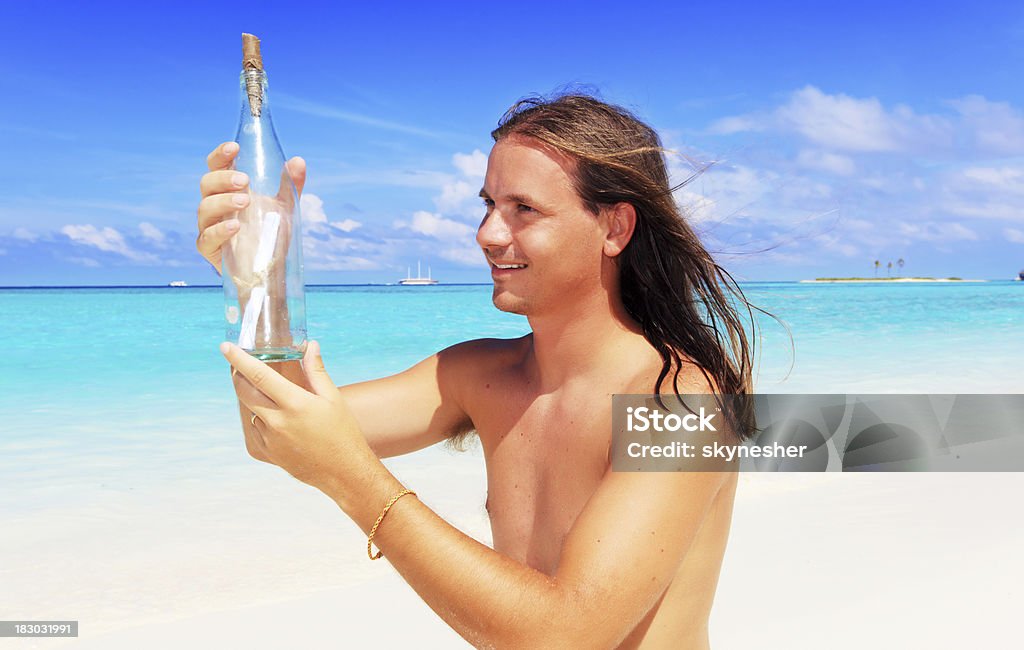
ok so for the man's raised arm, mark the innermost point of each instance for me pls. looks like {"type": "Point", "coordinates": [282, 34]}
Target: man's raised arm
{"type": "Point", "coordinates": [417, 407]}
{"type": "Point", "coordinates": [407, 411]}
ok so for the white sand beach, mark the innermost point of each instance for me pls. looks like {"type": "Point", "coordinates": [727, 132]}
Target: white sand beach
{"type": "Point", "coordinates": [815, 560]}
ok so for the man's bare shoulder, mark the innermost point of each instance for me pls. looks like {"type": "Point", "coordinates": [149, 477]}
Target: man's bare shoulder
{"type": "Point", "coordinates": [478, 357]}
{"type": "Point", "coordinates": [691, 379]}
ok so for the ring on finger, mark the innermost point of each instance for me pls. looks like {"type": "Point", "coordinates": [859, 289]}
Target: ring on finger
{"type": "Point", "coordinates": [252, 420]}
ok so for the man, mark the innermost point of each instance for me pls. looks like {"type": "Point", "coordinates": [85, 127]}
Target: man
{"type": "Point", "coordinates": [583, 237]}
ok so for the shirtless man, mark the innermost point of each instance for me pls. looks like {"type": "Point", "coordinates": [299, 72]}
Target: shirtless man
{"type": "Point", "coordinates": [576, 193]}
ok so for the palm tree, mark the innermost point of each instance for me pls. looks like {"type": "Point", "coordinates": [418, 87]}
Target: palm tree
{"type": "Point", "coordinates": [899, 263]}
{"type": "Point", "coordinates": [877, 264]}
{"type": "Point", "coordinates": [888, 270]}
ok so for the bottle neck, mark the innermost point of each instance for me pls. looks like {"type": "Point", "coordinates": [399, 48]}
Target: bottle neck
{"type": "Point", "coordinates": [254, 92]}
{"type": "Point", "coordinates": [260, 154]}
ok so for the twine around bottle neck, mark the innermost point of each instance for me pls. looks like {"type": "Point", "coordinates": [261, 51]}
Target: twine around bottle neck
{"type": "Point", "coordinates": [255, 88]}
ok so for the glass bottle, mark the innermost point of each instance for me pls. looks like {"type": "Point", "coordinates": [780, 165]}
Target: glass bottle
{"type": "Point", "coordinates": [265, 305]}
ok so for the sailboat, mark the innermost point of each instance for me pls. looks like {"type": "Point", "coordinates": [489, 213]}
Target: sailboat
{"type": "Point", "coordinates": [419, 280]}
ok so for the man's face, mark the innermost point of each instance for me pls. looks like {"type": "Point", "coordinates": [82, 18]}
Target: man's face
{"type": "Point", "coordinates": [535, 218]}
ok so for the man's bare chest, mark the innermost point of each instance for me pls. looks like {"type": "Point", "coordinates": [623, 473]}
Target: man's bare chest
{"type": "Point", "coordinates": [545, 454]}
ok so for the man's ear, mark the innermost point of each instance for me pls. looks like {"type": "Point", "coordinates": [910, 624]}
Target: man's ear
{"type": "Point", "coordinates": [621, 222]}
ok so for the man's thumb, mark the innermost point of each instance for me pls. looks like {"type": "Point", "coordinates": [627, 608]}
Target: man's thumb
{"type": "Point", "coordinates": [316, 374]}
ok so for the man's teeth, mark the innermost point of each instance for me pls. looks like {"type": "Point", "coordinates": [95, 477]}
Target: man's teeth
{"type": "Point", "coordinates": [510, 266]}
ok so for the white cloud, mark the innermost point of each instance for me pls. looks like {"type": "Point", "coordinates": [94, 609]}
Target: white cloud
{"type": "Point", "coordinates": [105, 239]}
{"type": "Point", "coordinates": [852, 124]}
{"type": "Point", "coordinates": [995, 127]}
{"type": "Point", "coordinates": [825, 161]}
{"type": "Point", "coordinates": [434, 225]}
{"type": "Point", "coordinates": [151, 232]}
{"type": "Point", "coordinates": [1005, 179]}
{"type": "Point", "coordinates": [985, 209]}
{"type": "Point", "coordinates": [324, 249]}
{"type": "Point", "coordinates": [985, 193]}
{"type": "Point", "coordinates": [460, 195]}
{"type": "Point", "coordinates": [737, 124]}
{"type": "Point", "coordinates": [314, 217]}
{"type": "Point", "coordinates": [459, 239]}
{"type": "Point", "coordinates": [847, 123]}
{"type": "Point", "coordinates": [937, 232]}
{"type": "Point", "coordinates": [459, 198]}
{"type": "Point", "coordinates": [25, 234]}
{"type": "Point", "coordinates": [723, 192]}
{"type": "Point", "coordinates": [1014, 235]}
{"type": "Point", "coordinates": [833, 242]}
{"type": "Point", "coordinates": [472, 165]}
{"type": "Point", "coordinates": [312, 208]}
{"type": "Point", "coordinates": [468, 254]}
{"type": "Point", "coordinates": [348, 225]}
{"type": "Point", "coordinates": [455, 195]}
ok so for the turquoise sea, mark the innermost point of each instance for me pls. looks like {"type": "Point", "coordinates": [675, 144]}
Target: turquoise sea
{"type": "Point", "coordinates": [125, 385]}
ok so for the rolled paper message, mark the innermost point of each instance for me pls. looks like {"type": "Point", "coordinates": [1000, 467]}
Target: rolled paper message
{"type": "Point", "coordinates": [261, 264]}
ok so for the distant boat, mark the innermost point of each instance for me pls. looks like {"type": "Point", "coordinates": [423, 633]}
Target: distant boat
{"type": "Point", "coordinates": [419, 280]}
{"type": "Point", "coordinates": [178, 283]}
{"type": "Point", "coordinates": [1020, 276]}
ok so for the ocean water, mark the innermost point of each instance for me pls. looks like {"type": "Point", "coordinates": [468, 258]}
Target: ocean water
{"type": "Point", "coordinates": [128, 384]}
{"type": "Point", "coordinates": [106, 368]}
{"type": "Point", "coordinates": [101, 363]}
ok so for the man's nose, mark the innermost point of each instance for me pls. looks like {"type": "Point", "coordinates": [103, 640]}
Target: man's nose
{"type": "Point", "coordinates": [493, 231]}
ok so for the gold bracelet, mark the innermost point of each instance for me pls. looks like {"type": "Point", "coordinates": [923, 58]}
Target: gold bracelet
{"type": "Point", "coordinates": [373, 531]}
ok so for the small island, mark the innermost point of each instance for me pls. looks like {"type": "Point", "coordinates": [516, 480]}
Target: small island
{"type": "Point", "coordinates": [898, 265]}
{"type": "Point", "coordinates": [887, 280]}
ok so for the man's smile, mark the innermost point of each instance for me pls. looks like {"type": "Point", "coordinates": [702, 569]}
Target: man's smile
{"type": "Point", "coordinates": [505, 268]}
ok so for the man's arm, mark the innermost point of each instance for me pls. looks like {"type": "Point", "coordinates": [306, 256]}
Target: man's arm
{"type": "Point", "coordinates": [617, 559]}
{"type": "Point", "coordinates": [417, 407]}
{"type": "Point", "coordinates": [408, 411]}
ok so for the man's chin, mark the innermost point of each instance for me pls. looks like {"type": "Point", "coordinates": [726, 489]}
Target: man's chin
{"type": "Point", "coordinates": [507, 303]}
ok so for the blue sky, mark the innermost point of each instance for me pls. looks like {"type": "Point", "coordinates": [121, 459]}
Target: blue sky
{"type": "Point", "coordinates": [839, 135]}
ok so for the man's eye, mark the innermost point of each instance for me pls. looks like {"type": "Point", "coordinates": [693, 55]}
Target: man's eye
{"type": "Point", "coordinates": [525, 208]}
{"type": "Point", "coordinates": [488, 203]}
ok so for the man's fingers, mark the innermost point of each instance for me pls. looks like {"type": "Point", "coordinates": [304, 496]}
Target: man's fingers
{"type": "Point", "coordinates": [294, 173]}
{"type": "Point", "coordinates": [255, 445]}
{"type": "Point", "coordinates": [255, 440]}
{"type": "Point", "coordinates": [222, 181]}
{"type": "Point", "coordinates": [297, 170]}
{"type": "Point", "coordinates": [213, 209]}
{"type": "Point", "coordinates": [251, 398]}
{"type": "Point", "coordinates": [214, 237]}
{"type": "Point", "coordinates": [222, 156]}
{"type": "Point", "coordinates": [263, 379]}
{"type": "Point", "coordinates": [316, 374]}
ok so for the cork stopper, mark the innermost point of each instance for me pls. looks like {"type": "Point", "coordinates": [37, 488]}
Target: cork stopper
{"type": "Point", "coordinates": [252, 68]}
{"type": "Point", "coordinates": [251, 57]}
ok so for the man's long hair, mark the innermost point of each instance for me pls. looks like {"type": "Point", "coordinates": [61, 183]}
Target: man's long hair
{"type": "Point", "coordinates": [684, 301]}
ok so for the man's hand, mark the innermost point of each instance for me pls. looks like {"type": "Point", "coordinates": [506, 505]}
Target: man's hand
{"type": "Point", "coordinates": [225, 192]}
{"type": "Point", "coordinates": [311, 434]}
